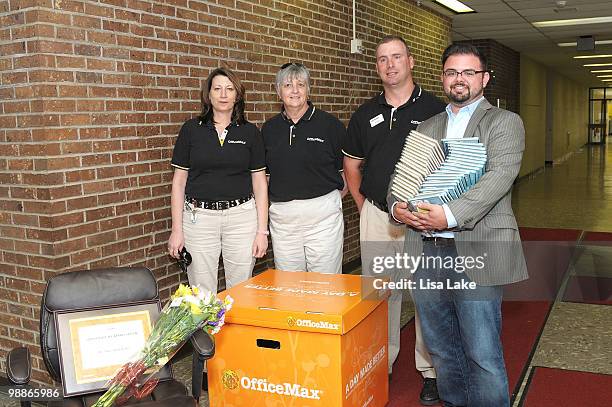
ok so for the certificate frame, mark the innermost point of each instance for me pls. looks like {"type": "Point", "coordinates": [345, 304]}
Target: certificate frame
{"type": "Point", "coordinates": [77, 329]}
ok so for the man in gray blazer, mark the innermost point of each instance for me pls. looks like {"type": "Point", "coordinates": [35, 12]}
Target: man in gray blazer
{"type": "Point", "coordinates": [470, 247]}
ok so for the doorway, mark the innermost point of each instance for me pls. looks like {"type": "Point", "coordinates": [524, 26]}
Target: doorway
{"type": "Point", "coordinates": [600, 115]}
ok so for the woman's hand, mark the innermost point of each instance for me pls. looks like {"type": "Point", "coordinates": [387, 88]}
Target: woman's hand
{"type": "Point", "coordinates": [175, 244]}
{"type": "Point", "coordinates": [260, 245]}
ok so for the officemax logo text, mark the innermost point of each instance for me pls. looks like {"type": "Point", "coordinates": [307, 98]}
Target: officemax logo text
{"type": "Point", "coordinates": [317, 324]}
{"type": "Point", "coordinates": [283, 389]}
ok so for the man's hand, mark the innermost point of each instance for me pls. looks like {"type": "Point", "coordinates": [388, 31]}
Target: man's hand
{"type": "Point", "coordinates": [403, 214]}
{"type": "Point", "coordinates": [433, 219]}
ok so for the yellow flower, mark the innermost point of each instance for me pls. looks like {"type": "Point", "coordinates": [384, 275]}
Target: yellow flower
{"type": "Point", "coordinates": [196, 290]}
{"type": "Point", "coordinates": [183, 291]}
{"type": "Point", "coordinates": [195, 309]}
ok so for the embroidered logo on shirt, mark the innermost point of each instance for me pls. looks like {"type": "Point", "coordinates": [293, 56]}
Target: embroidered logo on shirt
{"type": "Point", "coordinates": [315, 139]}
{"type": "Point", "coordinates": [416, 122]}
{"type": "Point", "coordinates": [236, 142]}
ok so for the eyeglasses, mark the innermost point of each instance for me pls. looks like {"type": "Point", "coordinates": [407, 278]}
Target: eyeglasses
{"type": "Point", "coordinates": [184, 259]}
{"type": "Point", "coordinates": [288, 64]}
{"type": "Point", "coordinates": [466, 73]}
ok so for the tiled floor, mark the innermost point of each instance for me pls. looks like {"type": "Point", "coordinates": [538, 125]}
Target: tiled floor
{"type": "Point", "coordinates": [576, 194]}
{"type": "Point", "coordinates": [577, 337]}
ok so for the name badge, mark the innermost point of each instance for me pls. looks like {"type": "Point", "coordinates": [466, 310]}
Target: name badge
{"type": "Point", "coordinates": [376, 120]}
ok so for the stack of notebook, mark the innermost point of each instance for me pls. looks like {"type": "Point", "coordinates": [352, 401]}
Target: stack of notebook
{"type": "Point", "coordinates": [420, 157]}
{"type": "Point", "coordinates": [426, 172]}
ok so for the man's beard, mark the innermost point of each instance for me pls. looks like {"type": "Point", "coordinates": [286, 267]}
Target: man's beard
{"type": "Point", "coordinates": [459, 98]}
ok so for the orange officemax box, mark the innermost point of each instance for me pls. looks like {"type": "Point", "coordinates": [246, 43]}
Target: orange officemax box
{"type": "Point", "coordinates": [301, 339]}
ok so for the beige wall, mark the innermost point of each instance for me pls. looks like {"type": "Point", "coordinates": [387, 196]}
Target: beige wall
{"type": "Point", "coordinates": [533, 113]}
{"type": "Point", "coordinates": [570, 106]}
{"type": "Point", "coordinates": [569, 114]}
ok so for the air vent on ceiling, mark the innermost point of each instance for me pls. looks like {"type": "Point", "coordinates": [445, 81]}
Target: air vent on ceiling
{"type": "Point", "coordinates": [566, 10]}
{"type": "Point", "coordinates": [562, 7]}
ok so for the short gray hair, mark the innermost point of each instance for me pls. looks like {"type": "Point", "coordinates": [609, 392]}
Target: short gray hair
{"type": "Point", "coordinates": [292, 71]}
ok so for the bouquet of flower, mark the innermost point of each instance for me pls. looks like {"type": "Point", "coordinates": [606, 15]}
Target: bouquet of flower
{"type": "Point", "coordinates": [189, 310]}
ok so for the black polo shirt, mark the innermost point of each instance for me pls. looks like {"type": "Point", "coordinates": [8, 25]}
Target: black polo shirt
{"type": "Point", "coordinates": [303, 159]}
{"type": "Point", "coordinates": [377, 136]}
{"type": "Point", "coordinates": [218, 172]}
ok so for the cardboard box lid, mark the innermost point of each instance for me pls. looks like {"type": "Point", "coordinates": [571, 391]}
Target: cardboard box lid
{"type": "Point", "coordinates": [303, 301]}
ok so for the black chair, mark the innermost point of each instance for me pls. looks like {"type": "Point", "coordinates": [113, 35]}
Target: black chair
{"type": "Point", "coordinates": [95, 288]}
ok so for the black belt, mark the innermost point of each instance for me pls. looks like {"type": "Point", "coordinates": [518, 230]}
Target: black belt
{"type": "Point", "coordinates": [439, 241]}
{"type": "Point", "coordinates": [382, 206]}
{"type": "Point", "coordinates": [217, 205]}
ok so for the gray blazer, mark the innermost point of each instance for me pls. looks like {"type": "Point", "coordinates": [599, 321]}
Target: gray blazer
{"type": "Point", "coordinates": [486, 225]}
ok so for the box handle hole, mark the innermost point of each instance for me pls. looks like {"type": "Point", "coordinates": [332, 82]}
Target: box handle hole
{"type": "Point", "coordinates": [268, 344]}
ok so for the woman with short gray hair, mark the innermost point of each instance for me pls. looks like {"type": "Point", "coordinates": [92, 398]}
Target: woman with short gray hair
{"type": "Point", "coordinates": [306, 183]}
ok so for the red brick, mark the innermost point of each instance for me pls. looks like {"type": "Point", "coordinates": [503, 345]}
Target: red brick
{"type": "Point", "coordinates": [113, 223]}
{"type": "Point", "coordinates": [113, 249]}
{"type": "Point", "coordinates": [66, 191]}
{"type": "Point", "coordinates": [115, 26]}
{"type": "Point", "coordinates": [110, 198]}
{"type": "Point", "coordinates": [89, 105]}
{"type": "Point", "coordinates": [85, 256]}
{"type": "Point", "coordinates": [89, 50]}
{"type": "Point", "coordinates": [80, 175]}
{"type": "Point", "coordinates": [87, 22]}
{"type": "Point", "coordinates": [71, 34]}
{"type": "Point", "coordinates": [72, 91]}
{"type": "Point", "coordinates": [97, 187]}
{"type": "Point", "coordinates": [48, 47]}
{"type": "Point", "coordinates": [95, 159]}
{"type": "Point", "coordinates": [68, 219]}
{"type": "Point", "coordinates": [102, 238]}
{"type": "Point", "coordinates": [96, 10]}
{"type": "Point", "coordinates": [83, 230]}
{"type": "Point", "coordinates": [93, 133]}
{"type": "Point", "coordinates": [104, 263]}
{"type": "Point", "coordinates": [75, 120]}
{"type": "Point", "coordinates": [70, 246]}
{"type": "Point", "coordinates": [101, 64]}
{"type": "Point", "coordinates": [103, 92]}
{"type": "Point", "coordinates": [82, 202]}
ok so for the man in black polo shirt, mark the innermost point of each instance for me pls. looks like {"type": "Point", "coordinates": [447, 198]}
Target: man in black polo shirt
{"type": "Point", "coordinates": [375, 138]}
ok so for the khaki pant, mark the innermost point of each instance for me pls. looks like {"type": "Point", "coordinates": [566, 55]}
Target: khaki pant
{"type": "Point", "coordinates": [307, 234]}
{"type": "Point", "coordinates": [379, 237]}
{"type": "Point", "coordinates": [231, 233]}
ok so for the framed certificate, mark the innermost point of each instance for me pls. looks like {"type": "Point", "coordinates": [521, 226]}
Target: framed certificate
{"type": "Point", "coordinates": [94, 343]}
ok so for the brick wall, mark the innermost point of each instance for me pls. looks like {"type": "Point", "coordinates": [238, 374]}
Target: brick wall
{"type": "Point", "coordinates": [92, 95]}
{"type": "Point", "coordinates": [506, 66]}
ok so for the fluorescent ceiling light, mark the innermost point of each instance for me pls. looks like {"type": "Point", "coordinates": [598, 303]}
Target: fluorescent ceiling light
{"type": "Point", "coordinates": [573, 21]}
{"type": "Point", "coordinates": [602, 71]}
{"type": "Point", "coordinates": [606, 64]}
{"type": "Point", "coordinates": [573, 44]}
{"type": "Point", "coordinates": [606, 80]}
{"type": "Point", "coordinates": [593, 56]}
{"type": "Point", "coordinates": [455, 5]}
{"type": "Point", "coordinates": [604, 76]}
